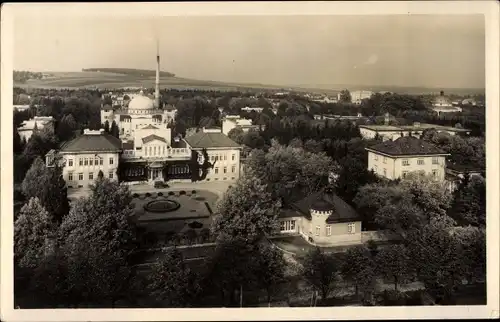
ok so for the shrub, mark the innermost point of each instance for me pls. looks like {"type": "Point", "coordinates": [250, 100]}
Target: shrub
{"type": "Point", "coordinates": [191, 236]}
{"type": "Point", "coordinates": [135, 195]}
{"type": "Point", "coordinates": [193, 192]}
{"type": "Point", "coordinates": [182, 192]}
{"type": "Point", "coordinates": [160, 194]}
{"type": "Point", "coordinates": [171, 193]}
{"type": "Point", "coordinates": [169, 237]}
{"type": "Point", "coordinates": [205, 235]}
{"type": "Point", "coordinates": [147, 195]}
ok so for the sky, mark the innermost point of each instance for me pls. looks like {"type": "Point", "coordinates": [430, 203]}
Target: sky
{"type": "Point", "coordinates": [438, 51]}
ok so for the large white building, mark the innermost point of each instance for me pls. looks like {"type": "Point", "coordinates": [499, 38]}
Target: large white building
{"type": "Point", "coordinates": [234, 121]}
{"type": "Point", "coordinates": [396, 159]}
{"type": "Point", "coordinates": [145, 150]}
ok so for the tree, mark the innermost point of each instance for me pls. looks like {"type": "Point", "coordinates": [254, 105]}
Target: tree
{"type": "Point", "coordinates": [236, 134]}
{"type": "Point", "coordinates": [352, 176]}
{"type": "Point", "coordinates": [345, 96]}
{"type": "Point", "coordinates": [18, 144]}
{"type": "Point", "coordinates": [172, 282]}
{"type": "Point", "coordinates": [320, 271]}
{"type": "Point", "coordinates": [106, 126]}
{"type": "Point", "coordinates": [469, 204]}
{"type": "Point", "coordinates": [392, 262]}
{"type": "Point", "coordinates": [48, 185]}
{"type": "Point", "coordinates": [114, 130]}
{"type": "Point", "coordinates": [33, 231]}
{"type": "Point", "coordinates": [66, 128]}
{"type": "Point", "coordinates": [356, 265]}
{"type": "Point", "coordinates": [247, 210]}
{"type": "Point", "coordinates": [270, 269]}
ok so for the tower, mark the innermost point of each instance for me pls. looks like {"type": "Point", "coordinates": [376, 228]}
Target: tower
{"type": "Point", "coordinates": [157, 82]}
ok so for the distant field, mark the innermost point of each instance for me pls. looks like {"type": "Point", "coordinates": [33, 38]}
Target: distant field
{"type": "Point", "coordinates": [115, 80]}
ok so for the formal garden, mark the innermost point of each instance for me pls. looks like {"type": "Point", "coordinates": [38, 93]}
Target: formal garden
{"type": "Point", "coordinates": [174, 218]}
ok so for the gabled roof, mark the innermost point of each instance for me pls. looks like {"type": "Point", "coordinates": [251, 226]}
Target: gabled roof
{"type": "Point", "coordinates": [210, 140]}
{"type": "Point", "coordinates": [326, 201]}
{"type": "Point", "coordinates": [99, 143]}
{"type": "Point", "coordinates": [407, 145]}
{"type": "Point", "coordinates": [150, 127]}
{"type": "Point", "coordinates": [153, 137]}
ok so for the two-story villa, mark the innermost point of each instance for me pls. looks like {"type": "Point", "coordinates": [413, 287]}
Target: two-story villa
{"type": "Point", "coordinates": [395, 159]}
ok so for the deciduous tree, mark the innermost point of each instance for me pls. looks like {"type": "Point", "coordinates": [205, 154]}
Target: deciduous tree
{"type": "Point", "coordinates": [320, 270]}
{"type": "Point", "coordinates": [392, 262]}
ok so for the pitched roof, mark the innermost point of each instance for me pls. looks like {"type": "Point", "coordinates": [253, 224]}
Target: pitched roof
{"type": "Point", "coordinates": [210, 140]}
{"type": "Point", "coordinates": [102, 143]}
{"type": "Point", "coordinates": [327, 201]}
{"type": "Point", "coordinates": [150, 127]}
{"type": "Point", "coordinates": [153, 137]}
{"type": "Point", "coordinates": [407, 145]}
{"type": "Point", "coordinates": [129, 145]}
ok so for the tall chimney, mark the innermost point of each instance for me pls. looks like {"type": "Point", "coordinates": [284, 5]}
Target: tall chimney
{"type": "Point", "coordinates": [157, 83]}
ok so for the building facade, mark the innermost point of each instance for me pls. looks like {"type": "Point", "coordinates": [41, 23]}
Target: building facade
{"type": "Point", "coordinates": [37, 123]}
{"type": "Point", "coordinates": [233, 121]}
{"type": "Point", "coordinates": [396, 159]}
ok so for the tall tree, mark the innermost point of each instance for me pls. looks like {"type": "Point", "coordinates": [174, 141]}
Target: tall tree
{"type": "Point", "coordinates": [345, 96]}
{"type": "Point", "coordinates": [270, 269]}
{"type": "Point", "coordinates": [469, 204]}
{"type": "Point", "coordinates": [247, 210]}
{"type": "Point", "coordinates": [392, 262]}
{"type": "Point", "coordinates": [320, 270]}
{"type": "Point", "coordinates": [33, 232]}
{"type": "Point", "coordinates": [106, 126]}
{"type": "Point", "coordinates": [114, 130]}
{"type": "Point", "coordinates": [355, 266]}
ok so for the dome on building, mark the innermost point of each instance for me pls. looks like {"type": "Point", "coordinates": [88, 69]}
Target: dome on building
{"type": "Point", "coordinates": [141, 103]}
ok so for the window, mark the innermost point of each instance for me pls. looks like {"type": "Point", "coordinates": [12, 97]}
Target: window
{"type": "Point", "coordinates": [216, 170]}
{"type": "Point", "coordinates": [225, 169]}
{"type": "Point", "coordinates": [111, 160]}
{"type": "Point", "coordinates": [70, 162]}
{"type": "Point", "coordinates": [101, 161]}
{"type": "Point", "coordinates": [80, 162]}
{"type": "Point", "coordinates": [435, 160]}
{"type": "Point", "coordinates": [80, 176]}
{"type": "Point", "coordinates": [216, 158]}
{"type": "Point", "coordinates": [233, 157]}
{"type": "Point", "coordinates": [154, 150]}
{"type": "Point", "coordinates": [376, 157]}
{"type": "Point", "coordinates": [287, 225]}
{"type": "Point", "coordinates": [225, 157]}
{"type": "Point", "coordinates": [435, 174]}
{"type": "Point", "coordinates": [420, 161]}
{"type": "Point", "coordinates": [70, 176]}
{"type": "Point", "coordinates": [328, 230]}
{"type": "Point", "coordinates": [91, 176]}
{"type": "Point", "coordinates": [385, 172]}
{"type": "Point", "coordinates": [86, 162]}
{"type": "Point", "coordinates": [385, 160]}
{"type": "Point", "coordinates": [318, 230]}
{"type": "Point", "coordinates": [233, 168]}
{"type": "Point", "coordinates": [405, 173]}
{"type": "Point", "coordinates": [91, 161]}
{"type": "Point", "coordinates": [96, 161]}
{"type": "Point", "coordinates": [406, 162]}
{"type": "Point", "coordinates": [110, 174]}
{"type": "Point", "coordinates": [375, 169]}
{"type": "Point", "coordinates": [208, 170]}
{"type": "Point", "coordinates": [351, 228]}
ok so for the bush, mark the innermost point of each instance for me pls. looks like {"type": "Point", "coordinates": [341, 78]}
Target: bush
{"type": "Point", "coordinates": [160, 194]}
{"type": "Point", "coordinates": [169, 237]}
{"type": "Point", "coordinates": [193, 192]}
{"type": "Point", "coordinates": [205, 235]}
{"type": "Point", "coordinates": [182, 192]}
{"type": "Point", "coordinates": [171, 193]}
{"type": "Point", "coordinates": [135, 195]}
{"type": "Point", "coordinates": [147, 195]}
{"type": "Point", "coordinates": [191, 236]}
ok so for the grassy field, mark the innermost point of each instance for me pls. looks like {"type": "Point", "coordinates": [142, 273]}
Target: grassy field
{"type": "Point", "coordinates": [115, 80]}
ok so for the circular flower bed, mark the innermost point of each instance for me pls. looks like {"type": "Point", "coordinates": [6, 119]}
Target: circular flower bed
{"type": "Point", "coordinates": [163, 205]}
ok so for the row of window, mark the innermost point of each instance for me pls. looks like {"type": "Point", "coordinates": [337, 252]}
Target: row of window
{"type": "Point", "coordinates": [91, 176]}
{"type": "Point", "coordinates": [435, 173]}
{"type": "Point", "coordinates": [222, 157]}
{"type": "Point", "coordinates": [216, 170]}
{"type": "Point", "coordinates": [406, 162]}
{"type": "Point", "coordinates": [289, 225]}
{"type": "Point", "coordinates": [90, 161]}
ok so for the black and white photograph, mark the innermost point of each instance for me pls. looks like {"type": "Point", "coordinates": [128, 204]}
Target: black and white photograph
{"type": "Point", "coordinates": [315, 160]}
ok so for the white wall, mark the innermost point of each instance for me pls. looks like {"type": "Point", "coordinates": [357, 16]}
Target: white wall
{"type": "Point", "coordinates": [88, 169]}
{"type": "Point", "coordinates": [225, 160]}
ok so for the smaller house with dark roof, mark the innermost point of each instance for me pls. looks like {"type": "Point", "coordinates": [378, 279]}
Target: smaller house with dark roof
{"type": "Point", "coordinates": [323, 219]}
{"type": "Point", "coordinates": [84, 156]}
{"type": "Point", "coordinates": [395, 159]}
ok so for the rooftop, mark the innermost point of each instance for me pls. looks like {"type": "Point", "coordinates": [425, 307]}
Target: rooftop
{"type": "Point", "coordinates": [407, 145]}
{"type": "Point", "coordinates": [210, 140]}
{"type": "Point", "coordinates": [327, 201]}
{"type": "Point", "coordinates": [102, 142]}
{"type": "Point", "coordinates": [153, 137]}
